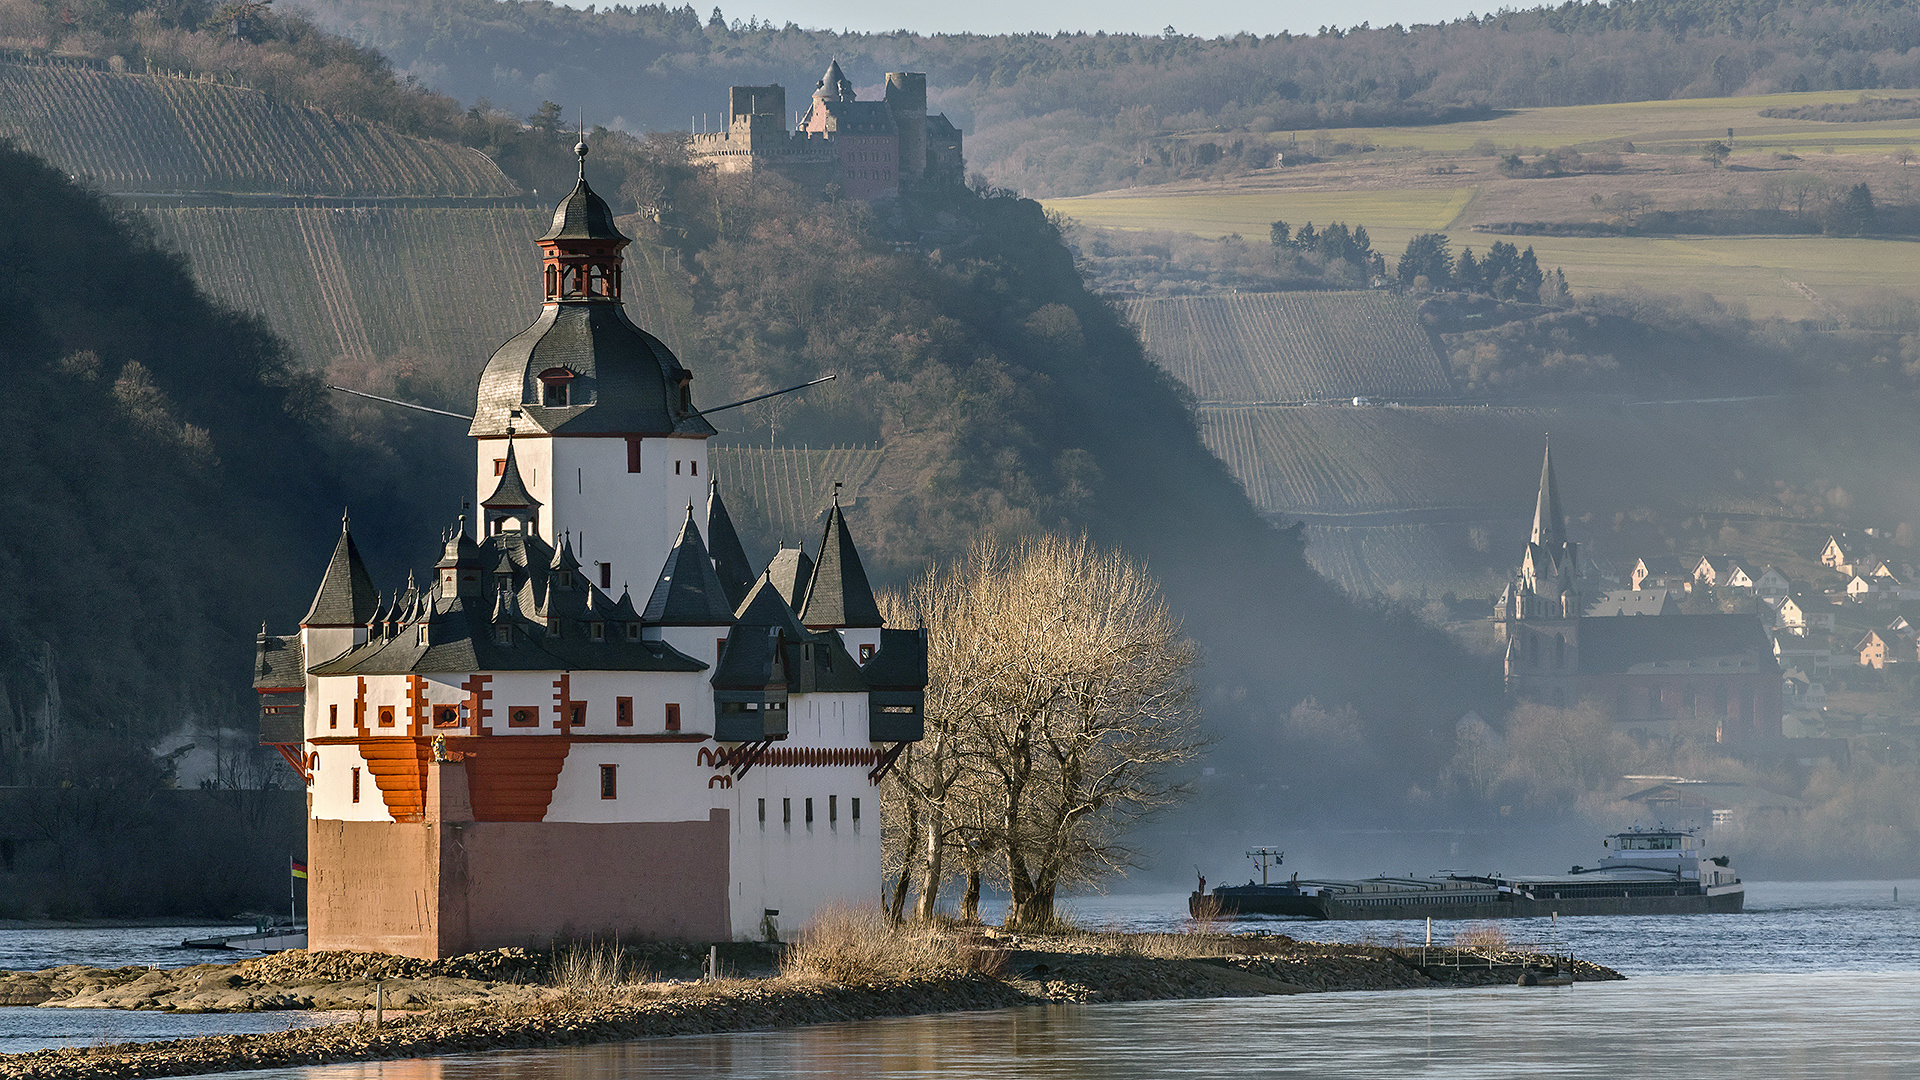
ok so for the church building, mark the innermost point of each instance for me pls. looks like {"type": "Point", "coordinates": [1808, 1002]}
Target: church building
{"type": "Point", "coordinates": [510, 752]}
{"type": "Point", "coordinates": [1709, 678]}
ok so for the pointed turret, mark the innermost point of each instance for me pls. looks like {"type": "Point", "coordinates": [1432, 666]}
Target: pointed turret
{"type": "Point", "coordinates": [838, 595]}
{"type": "Point", "coordinates": [1549, 523]}
{"type": "Point", "coordinates": [688, 592]}
{"type": "Point", "coordinates": [834, 85]}
{"type": "Point", "coordinates": [729, 556]}
{"type": "Point", "coordinates": [790, 572]}
{"type": "Point", "coordinates": [346, 597]}
{"type": "Point", "coordinates": [511, 501]}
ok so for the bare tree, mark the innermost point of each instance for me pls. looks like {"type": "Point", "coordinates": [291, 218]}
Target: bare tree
{"type": "Point", "coordinates": [1061, 702]}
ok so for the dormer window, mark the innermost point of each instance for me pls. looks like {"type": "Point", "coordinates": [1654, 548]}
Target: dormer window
{"type": "Point", "coordinates": [503, 635]}
{"type": "Point", "coordinates": [599, 631]}
{"type": "Point", "coordinates": [555, 388]}
{"type": "Point", "coordinates": [633, 631]}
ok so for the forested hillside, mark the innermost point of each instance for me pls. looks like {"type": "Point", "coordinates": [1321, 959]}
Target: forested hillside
{"type": "Point", "coordinates": [170, 484]}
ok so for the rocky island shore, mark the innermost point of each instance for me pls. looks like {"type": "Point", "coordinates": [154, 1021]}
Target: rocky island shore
{"type": "Point", "coordinates": [516, 998]}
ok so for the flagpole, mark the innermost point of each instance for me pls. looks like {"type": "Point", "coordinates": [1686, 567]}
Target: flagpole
{"type": "Point", "coordinates": [293, 909]}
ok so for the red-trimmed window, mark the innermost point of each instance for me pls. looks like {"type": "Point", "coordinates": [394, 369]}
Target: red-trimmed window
{"type": "Point", "coordinates": [333, 716]}
{"type": "Point", "coordinates": [633, 453]}
{"type": "Point", "coordinates": [523, 716]}
{"type": "Point", "coordinates": [386, 716]}
{"type": "Point", "coordinates": [577, 714]}
{"type": "Point", "coordinates": [673, 716]}
{"type": "Point", "coordinates": [499, 466]}
{"type": "Point", "coordinates": [623, 712]}
{"type": "Point", "coordinates": [866, 653]}
{"type": "Point", "coordinates": [609, 781]}
{"type": "Point", "coordinates": [356, 785]}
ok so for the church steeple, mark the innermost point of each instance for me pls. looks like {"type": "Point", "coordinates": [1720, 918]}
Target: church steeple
{"type": "Point", "coordinates": [1549, 523]}
{"type": "Point", "coordinates": [581, 252]}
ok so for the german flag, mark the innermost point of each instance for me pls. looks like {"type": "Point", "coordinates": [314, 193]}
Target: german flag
{"type": "Point", "coordinates": [299, 868]}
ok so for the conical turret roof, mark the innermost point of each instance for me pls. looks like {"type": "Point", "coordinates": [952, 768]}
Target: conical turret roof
{"type": "Point", "coordinates": [583, 215]}
{"type": "Point", "coordinates": [1549, 523]}
{"type": "Point", "coordinates": [688, 592]}
{"type": "Point", "coordinates": [838, 594]}
{"type": "Point", "coordinates": [729, 556]}
{"type": "Point", "coordinates": [790, 572]}
{"type": "Point", "coordinates": [346, 596]}
{"type": "Point", "coordinates": [511, 492]}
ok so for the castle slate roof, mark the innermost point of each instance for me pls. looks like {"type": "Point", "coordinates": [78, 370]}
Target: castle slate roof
{"type": "Point", "coordinates": [346, 596]}
{"type": "Point", "coordinates": [790, 571]}
{"type": "Point", "coordinates": [730, 561]}
{"type": "Point", "coordinates": [858, 117]}
{"type": "Point", "coordinates": [1725, 644]}
{"type": "Point", "coordinates": [522, 595]}
{"type": "Point", "coordinates": [624, 380]}
{"type": "Point", "coordinates": [688, 592]}
{"type": "Point", "coordinates": [583, 215]}
{"type": "Point", "coordinates": [279, 663]}
{"type": "Point", "coordinates": [838, 594]}
{"type": "Point", "coordinates": [900, 663]}
{"type": "Point", "coordinates": [511, 492]}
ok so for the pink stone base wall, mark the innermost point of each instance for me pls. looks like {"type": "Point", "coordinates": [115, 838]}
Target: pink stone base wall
{"type": "Point", "coordinates": [431, 889]}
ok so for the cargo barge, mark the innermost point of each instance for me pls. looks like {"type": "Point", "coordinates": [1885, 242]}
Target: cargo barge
{"type": "Point", "coordinates": [1645, 872]}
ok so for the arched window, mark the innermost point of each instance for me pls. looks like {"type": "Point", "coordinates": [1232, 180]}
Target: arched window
{"type": "Point", "coordinates": [597, 280]}
{"type": "Point", "coordinates": [553, 282]}
{"type": "Point", "coordinates": [556, 388]}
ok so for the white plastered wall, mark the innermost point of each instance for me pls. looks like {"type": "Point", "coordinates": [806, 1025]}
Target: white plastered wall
{"type": "Point", "coordinates": [627, 520]}
{"type": "Point", "coordinates": [792, 867]}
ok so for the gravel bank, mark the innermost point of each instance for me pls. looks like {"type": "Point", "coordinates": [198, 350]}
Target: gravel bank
{"type": "Point", "coordinates": [501, 1000]}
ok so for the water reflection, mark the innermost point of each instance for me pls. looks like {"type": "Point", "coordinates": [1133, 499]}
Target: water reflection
{"type": "Point", "coordinates": [1821, 1027]}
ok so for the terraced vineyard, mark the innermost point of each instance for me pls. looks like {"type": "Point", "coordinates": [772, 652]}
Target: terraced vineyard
{"type": "Point", "coordinates": [369, 284]}
{"type": "Point", "coordinates": [1265, 347]}
{"type": "Point", "coordinates": [780, 492]}
{"type": "Point", "coordinates": [163, 133]}
{"type": "Point", "coordinates": [1409, 560]}
{"type": "Point", "coordinates": [1465, 460]}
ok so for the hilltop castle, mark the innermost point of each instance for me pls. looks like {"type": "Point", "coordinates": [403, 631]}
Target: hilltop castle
{"type": "Point", "coordinates": [511, 753]}
{"type": "Point", "coordinates": [1711, 677]}
{"type": "Point", "coordinates": [871, 149]}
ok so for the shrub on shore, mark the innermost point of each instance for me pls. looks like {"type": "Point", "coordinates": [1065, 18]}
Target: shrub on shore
{"type": "Point", "coordinates": [857, 945]}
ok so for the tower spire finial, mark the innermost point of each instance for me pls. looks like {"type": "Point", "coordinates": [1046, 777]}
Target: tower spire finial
{"type": "Point", "coordinates": [580, 147]}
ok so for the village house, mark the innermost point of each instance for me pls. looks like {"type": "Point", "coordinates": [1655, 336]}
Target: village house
{"type": "Point", "coordinates": [1722, 572]}
{"type": "Point", "coordinates": [1772, 583]}
{"type": "Point", "coordinates": [1882, 647]}
{"type": "Point", "coordinates": [1662, 572]}
{"type": "Point", "coordinates": [1721, 806]}
{"type": "Point", "coordinates": [512, 752]}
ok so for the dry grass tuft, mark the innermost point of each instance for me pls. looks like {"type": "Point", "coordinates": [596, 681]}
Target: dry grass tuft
{"type": "Point", "coordinates": [859, 945]}
{"type": "Point", "coordinates": [1480, 936]}
{"type": "Point", "coordinates": [593, 973]}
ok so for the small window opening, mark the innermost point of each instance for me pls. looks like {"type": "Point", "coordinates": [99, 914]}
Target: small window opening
{"type": "Point", "coordinates": [719, 646]}
{"type": "Point", "coordinates": [633, 631]}
{"type": "Point", "coordinates": [676, 468]}
{"type": "Point", "coordinates": [609, 781]}
{"type": "Point", "coordinates": [386, 716]}
{"type": "Point", "coordinates": [809, 813]}
{"type": "Point", "coordinates": [503, 635]}
{"type": "Point", "coordinates": [763, 813]}
{"type": "Point", "coordinates": [866, 653]}
{"type": "Point", "coordinates": [623, 712]}
{"type": "Point", "coordinates": [333, 716]}
{"type": "Point", "coordinates": [833, 809]}
{"type": "Point", "coordinates": [606, 575]}
{"type": "Point", "coordinates": [499, 466]}
{"type": "Point", "coordinates": [853, 809]}
{"type": "Point", "coordinates": [577, 714]}
{"type": "Point", "coordinates": [673, 716]}
{"type": "Point", "coordinates": [599, 631]}
{"type": "Point", "coordinates": [446, 716]}
{"type": "Point", "coordinates": [786, 812]}
{"type": "Point", "coordinates": [356, 785]}
{"type": "Point", "coordinates": [554, 392]}
{"type": "Point", "coordinates": [695, 465]}
{"type": "Point", "coordinates": [523, 716]}
{"type": "Point", "coordinates": [633, 453]}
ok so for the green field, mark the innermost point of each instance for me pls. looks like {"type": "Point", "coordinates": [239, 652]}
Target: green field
{"type": "Point", "coordinates": [1681, 125]}
{"type": "Point", "coordinates": [1392, 215]}
{"type": "Point", "coordinates": [1255, 347]}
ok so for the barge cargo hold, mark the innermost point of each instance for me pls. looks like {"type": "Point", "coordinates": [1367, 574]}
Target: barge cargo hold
{"type": "Point", "coordinates": [1647, 872]}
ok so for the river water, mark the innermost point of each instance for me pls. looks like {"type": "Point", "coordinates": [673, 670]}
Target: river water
{"type": "Point", "coordinates": [1815, 980]}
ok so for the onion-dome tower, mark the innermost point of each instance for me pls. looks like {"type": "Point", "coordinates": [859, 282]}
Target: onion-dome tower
{"type": "Point", "coordinates": [604, 434]}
